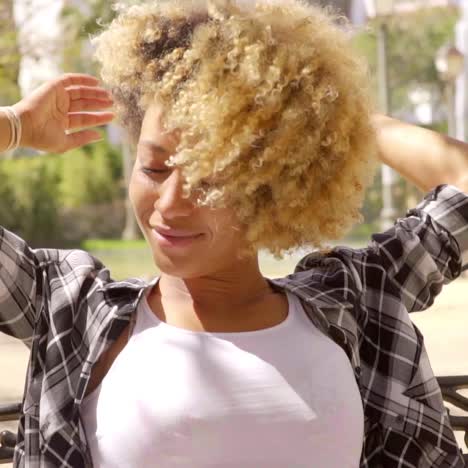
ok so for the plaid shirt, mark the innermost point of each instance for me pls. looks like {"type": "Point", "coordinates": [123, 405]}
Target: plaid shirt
{"type": "Point", "coordinates": [64, 305]}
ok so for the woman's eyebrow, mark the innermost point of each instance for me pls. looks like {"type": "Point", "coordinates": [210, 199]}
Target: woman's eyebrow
{"type": "Point", "coordinates": [153, 146]}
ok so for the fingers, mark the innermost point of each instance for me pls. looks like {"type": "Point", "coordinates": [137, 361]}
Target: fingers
{"type": "Point", "coordinates": [78, 79]}
{"type": "Point", "coordinates": [77, 139]}
{"type": "Point", "coordinates": [89, 105]}
{"type": "Point", "coordinates": [88, 98]}
{"type": "Point", "coordinates": [88, 92]}
{"type": "Point", "coordinates": [88, 119]}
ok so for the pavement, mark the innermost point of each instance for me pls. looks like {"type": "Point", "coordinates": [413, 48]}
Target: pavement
{"type": "Point", "coordinates": [444, 326]}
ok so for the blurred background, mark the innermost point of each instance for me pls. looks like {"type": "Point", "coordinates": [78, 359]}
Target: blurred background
{"type": "Point", "coordinates": [416, 52]}
{"type": "Point", "coordinates": [414, 48]}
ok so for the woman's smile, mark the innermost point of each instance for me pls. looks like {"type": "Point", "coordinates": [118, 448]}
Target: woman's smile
{"type": "Point", "coordinates": [178, 240]}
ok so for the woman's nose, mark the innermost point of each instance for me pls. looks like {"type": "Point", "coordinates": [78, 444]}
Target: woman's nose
{"type": "Point", "coordinates": [170, 203]}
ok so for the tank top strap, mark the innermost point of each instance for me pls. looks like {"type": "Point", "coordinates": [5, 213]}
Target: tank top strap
{"type": "Point", "coordinates": [136, 317]}
{"type": "Point", "coordinates": [132, 322]}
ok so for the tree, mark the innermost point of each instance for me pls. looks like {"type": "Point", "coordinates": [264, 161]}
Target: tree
{"type": "Point", "coordinates": [412, 45]}
{"type": "Point", "coordinates": [9, 55]}
{"type": "Point", "coordinates": [81, 23]}
{"type": "Point", "coordinates": [40, 40]}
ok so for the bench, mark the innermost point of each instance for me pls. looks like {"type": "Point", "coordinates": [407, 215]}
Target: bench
{"type": "Point", "coordinates": [9, 412]}
{"type": "Point", "coordinates": [450, 386]}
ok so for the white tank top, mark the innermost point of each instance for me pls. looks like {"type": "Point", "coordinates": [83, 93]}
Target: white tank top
{"type": "Point", "coordinates": [284, 396]}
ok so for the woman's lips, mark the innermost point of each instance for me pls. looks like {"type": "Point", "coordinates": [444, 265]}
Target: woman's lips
{"type": "Point", "coordinates": [175, 241]}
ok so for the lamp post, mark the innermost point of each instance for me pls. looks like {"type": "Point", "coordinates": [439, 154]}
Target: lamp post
{"type": "Point", "coordinates": [449, 62]}
{"type": "Point", "coordinates": [382, 10]}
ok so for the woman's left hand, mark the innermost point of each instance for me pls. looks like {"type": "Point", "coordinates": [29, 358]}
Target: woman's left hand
{"type": "Point", "coordinates": [65, 103]}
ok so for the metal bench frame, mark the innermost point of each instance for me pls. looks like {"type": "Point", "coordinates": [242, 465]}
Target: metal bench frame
{"type": "Point", "coordinates": [450, 386]}
{"type": "Point", "coordinates": [10, 412]}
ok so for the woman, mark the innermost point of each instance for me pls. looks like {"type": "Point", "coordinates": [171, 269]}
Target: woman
{"type": "Point", "coordinates": [254, 131]}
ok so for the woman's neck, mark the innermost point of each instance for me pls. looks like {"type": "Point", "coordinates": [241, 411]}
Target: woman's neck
{"type": "Point", "coordinates": [241, 284]}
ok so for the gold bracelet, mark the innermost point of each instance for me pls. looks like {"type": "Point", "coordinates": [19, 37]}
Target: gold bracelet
{"type": "Point", "coordinates": [12, 129]}
{"type": "Point", "coordinates": [15, 127]}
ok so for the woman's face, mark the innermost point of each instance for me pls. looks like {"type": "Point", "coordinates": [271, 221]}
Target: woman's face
{"type": "Point", "coordinates": [203, 240]}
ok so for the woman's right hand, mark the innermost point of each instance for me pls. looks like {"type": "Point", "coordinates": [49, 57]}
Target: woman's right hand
{"type": "Point", "coordinates": [424, 157]}
{"type": "Point", "coordinates": [60, 105]}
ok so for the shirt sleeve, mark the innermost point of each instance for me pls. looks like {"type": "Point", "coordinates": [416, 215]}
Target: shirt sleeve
{"type": "Point", "coordinates": [20, 276]}
{"type": "Point", "coordinates": [425, 250]}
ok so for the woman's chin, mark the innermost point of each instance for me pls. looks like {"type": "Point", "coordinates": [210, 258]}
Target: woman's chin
{"type": "Point", "coordinates": [178, 267]}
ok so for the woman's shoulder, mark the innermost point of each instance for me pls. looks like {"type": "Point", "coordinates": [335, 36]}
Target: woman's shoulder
{"type": "Point", "coordinates": [77, 263]}
{"type": "Point", "coordinates": [72, 257]}
{"type": "Point", "coordinates": [325, 273]}
{"type": "Point", "coordinates": [330, 261]}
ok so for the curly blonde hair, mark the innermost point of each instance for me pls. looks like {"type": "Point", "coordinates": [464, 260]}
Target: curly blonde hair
{"type": "Point", "coordinates": [272, 102]}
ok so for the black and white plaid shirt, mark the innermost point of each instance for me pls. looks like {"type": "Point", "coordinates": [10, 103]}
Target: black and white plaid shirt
{"type": "Point", "coordinates": [65, 306]}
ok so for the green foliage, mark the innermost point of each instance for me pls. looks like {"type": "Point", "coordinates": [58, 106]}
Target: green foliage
{"type": "Point", "coordinates": [89, 20]}
{"type": "Point", "coordinates": [81, 23]}
{"type": "Point", "coordinates": [29, 204]}
{"type": "Point", "coordinates": [413, 41]}
{"type": "Point", "coordinates": [9, 206]}
{"type": "Point", "coordinates": [9, 55]}
{"type": "Point", "coordinates": [114, 244]}
{"type": "Point", "coordinates": [90, 175]}
{"type": "Point", "coordinates": [35, 191]}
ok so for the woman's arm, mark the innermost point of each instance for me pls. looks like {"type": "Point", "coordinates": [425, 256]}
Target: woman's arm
{"type": "Point", "coordinates": [63, 104]}
{"type": "Point", "coordinates": [45, 116]}
{"type": "Point", "coordinates": [429, 247]}
{"type": "Point", "coordinates": [424, 157]}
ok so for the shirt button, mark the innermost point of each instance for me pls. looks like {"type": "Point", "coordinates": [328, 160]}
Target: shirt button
{"type": "Point", "coordinates": [399, 418]}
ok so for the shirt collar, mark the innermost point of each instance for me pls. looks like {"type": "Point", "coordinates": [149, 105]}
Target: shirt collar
{"type": "Point", "coordinates": [331, 314]}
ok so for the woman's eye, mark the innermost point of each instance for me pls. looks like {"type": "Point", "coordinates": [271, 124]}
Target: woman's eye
{"type": "Point", "coordinates": [149, 171]}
